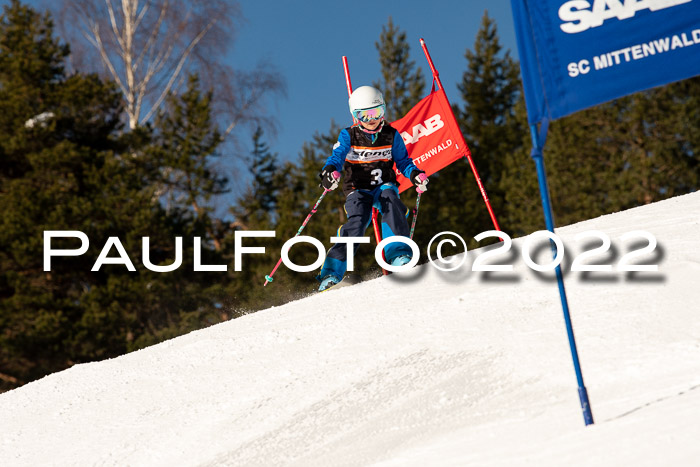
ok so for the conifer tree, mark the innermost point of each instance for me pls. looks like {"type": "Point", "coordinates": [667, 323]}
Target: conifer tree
{"type": "Point", "coordinates": [72, 170]}
{"type": "Point", "coordinates": [522, 213]}
{"type": "Point", "coordinates": [257, 208]}
{"type": "Point", "coordinates": [31, 62]}
{"type": "Point", "coordinates": [402, 83]}
{"type": "Point", "coordinates": [185, 143]}
{"type": "Point", "coordinates": [660, 141]}
{"type": "Point", "coordinates": [489, 89]}
{"type": "Point", "coordinates": [264, 170]}
{"type": "Point", "coordinates": [188, 139]}
{"type": "Point", "coordinates": [70, 180]}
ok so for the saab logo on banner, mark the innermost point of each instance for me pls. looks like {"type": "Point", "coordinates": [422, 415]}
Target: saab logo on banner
{"type": "Point", "coordinates": [426, 128]}
{"type": "Point", "coordinates": [581, 15]}
{"type": "Point", "coordinates": [578, 53]}
{"type": "Point", "coordinates": [431, 135]}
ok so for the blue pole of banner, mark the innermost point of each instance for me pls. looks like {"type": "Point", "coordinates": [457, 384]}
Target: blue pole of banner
{"type": "Point", "coordinates": [539, 138]}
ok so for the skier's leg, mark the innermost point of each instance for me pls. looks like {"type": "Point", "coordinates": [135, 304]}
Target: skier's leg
{"type": "Point", "coordinates": [393, 221]}
{"type": "Point", "coordinates": [358, 207]}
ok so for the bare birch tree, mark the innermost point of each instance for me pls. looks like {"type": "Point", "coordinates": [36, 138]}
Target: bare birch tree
{"type": "Point", "coordinates": [149, 46]}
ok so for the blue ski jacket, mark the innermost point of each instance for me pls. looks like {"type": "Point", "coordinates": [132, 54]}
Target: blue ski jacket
{"type": "Point", "coordinates": [367, 164]}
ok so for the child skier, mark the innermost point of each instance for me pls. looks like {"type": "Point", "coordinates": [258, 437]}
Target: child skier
{"type": "Point", "coordinates": [366, 152]}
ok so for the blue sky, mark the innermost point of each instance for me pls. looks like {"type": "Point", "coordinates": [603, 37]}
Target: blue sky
{"type": "Point", "coordinates": [306, 40]}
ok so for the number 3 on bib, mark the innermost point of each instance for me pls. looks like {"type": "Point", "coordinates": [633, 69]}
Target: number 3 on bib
{"type": "Point", "coordinates": [377, 174]}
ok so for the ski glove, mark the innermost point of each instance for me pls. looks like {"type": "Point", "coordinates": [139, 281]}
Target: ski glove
{"type": "Point", "coordinates": [420, 180]}
{"type": "Point", "coordinates": [330, 178]}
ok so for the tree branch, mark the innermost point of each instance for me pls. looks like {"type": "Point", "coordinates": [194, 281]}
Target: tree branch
{"type": "Point", "coordinates": [175, 73]}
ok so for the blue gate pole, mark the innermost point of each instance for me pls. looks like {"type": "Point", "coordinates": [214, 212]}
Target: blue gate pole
{"type": "Point", "coordinates": [538, 140]}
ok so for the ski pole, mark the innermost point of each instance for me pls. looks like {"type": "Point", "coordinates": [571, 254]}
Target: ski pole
{"type": "Point", "coordinates": [415, 215]}
{"type": "Point", "coordinates": [378, 235]}
{"type": "Point", "coordinates": [268, 278]}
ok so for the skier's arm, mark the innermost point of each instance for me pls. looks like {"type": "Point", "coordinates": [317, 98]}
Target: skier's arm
{"type": "Point", "coordinates": [340, 150]}
{"type": "Point", "coordinates": [403, 162]}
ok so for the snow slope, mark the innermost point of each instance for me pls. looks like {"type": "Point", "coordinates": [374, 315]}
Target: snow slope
{"type": "Point", "coordinates": [428, 368]}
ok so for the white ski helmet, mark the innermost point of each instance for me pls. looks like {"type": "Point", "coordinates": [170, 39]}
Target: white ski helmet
{"type": "Point", "coordinates": [365, 97]}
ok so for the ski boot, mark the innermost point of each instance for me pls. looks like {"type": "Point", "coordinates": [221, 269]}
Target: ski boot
{"type": "Point", "coordinates": [328, 282]}
{"type": "Point", "coordinates": [401, 260]}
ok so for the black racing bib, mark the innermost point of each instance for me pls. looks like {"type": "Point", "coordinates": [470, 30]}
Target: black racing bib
{"type": "Point", "coordinates": [369, 164]}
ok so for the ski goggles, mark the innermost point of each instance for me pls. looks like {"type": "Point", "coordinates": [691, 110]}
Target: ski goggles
{"type": "Point", "coordinates": [369, 115]}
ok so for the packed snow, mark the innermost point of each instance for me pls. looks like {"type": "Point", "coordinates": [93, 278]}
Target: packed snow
{"type": "Point", "coordinates": [419, 368]}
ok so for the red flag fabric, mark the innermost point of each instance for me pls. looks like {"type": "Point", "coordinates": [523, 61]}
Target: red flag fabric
{"type": "Point", "coordinates": [431, 135]}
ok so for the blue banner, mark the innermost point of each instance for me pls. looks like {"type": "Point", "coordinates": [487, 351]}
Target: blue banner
{"type": "Point", "coordinates": [578, 53]}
